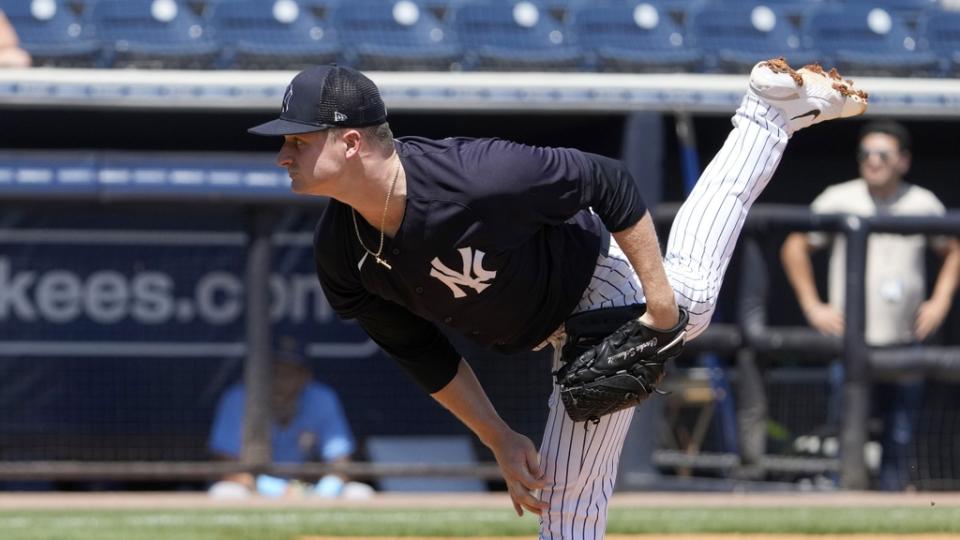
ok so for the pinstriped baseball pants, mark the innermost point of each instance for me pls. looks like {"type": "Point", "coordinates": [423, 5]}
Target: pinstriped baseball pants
{"type": "Point", "coordinates": [580, 459]}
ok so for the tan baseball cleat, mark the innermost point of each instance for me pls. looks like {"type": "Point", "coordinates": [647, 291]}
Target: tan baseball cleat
{"type": "Point", "coordinates": [808, 95]}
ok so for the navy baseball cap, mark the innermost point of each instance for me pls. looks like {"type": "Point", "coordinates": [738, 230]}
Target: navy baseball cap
{"type": "Point", "coordinates": [322, 97]}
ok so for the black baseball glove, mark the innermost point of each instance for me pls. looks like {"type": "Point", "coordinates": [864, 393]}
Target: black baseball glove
{"type": "Point", "coordinates": [613, 361]}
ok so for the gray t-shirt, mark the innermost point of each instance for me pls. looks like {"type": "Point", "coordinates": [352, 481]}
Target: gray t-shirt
{"type": "Point", "coordinates": [896, 270]}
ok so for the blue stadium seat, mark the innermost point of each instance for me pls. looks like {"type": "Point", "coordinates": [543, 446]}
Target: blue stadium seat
{"type": "Point", "coordinates": [919, 5]}
{"type": "Point", "coordinates": [866, 39]}
{"type": "Point", "coordinates": [154, 34]}
{"type": "Point", "coordinates": [910, 10]}
{"type": "Point", "coordinates": [52, 33]}
{"type": "Point", "coordinates": [521, 36]}
{"type": "Point", "coordinates": [791, 7]}
{"type": "Point", "coordinates": [318, 8]}
{"type": "Point", "coordinates": [276, 34]}
{"type": "Point", "coordinates": [321, 9]}
{"type": "Point", "coordinates": [940, 31]}
{"type": "Point", "coordinates": [395, 35]}
{"type": "Point", "coordinates": [442, 8]}
{"type": "Point", "coordinates": [635, 37]}
{"type": "Point", "coordinates": [735, 37]}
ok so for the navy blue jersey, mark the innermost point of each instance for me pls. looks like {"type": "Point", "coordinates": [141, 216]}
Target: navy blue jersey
{"type": "Point", "coordinates": [497, 242]}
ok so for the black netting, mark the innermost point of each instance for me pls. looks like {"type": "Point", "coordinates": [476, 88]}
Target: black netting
{"type": "Point", "coordinates": [353, 96]}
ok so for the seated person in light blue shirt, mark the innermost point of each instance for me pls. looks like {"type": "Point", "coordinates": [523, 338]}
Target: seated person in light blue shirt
{"type": "Point", "coordinates": [308, 425]}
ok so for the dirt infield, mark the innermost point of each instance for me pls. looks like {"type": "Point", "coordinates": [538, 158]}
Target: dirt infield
{"type": "Point", "coordinates": [684, 537]}
{"type": "Point", "coordinates": [13, 501]}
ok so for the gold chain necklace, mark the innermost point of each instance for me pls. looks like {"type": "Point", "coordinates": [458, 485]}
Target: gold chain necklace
{"type": "Point", "coordinates": [383, 223]}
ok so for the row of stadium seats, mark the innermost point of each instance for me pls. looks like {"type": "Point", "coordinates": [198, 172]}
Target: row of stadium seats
{"type": "Point", "coordinates": [891, 37]}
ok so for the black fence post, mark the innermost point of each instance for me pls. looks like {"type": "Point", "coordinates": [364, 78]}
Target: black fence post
{"type": "Point", "coordinates": [256, 453]}
{"type": "Point", "coordinates": [752, 407]}
{"type": "Point", "coordinates": [856, 384]}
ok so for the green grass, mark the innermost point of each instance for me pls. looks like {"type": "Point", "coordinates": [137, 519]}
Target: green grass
{"type": "Point", "coordinates": [901, 520]}
{"type": "Point", "coordinates": [289, 524]}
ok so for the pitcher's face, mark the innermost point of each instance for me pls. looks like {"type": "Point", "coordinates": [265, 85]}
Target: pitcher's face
{"type": "Point", "coordinates": [313, 160]}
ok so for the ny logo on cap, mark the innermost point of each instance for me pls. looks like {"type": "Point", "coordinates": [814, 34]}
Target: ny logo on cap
{"type": "Point", "coordinates": [286, 99]}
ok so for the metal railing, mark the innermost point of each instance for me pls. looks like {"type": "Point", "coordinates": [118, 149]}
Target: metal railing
{"type": "Point", "coordinates": [749, 332]}
{"type": "Point", "coordinates": [862, 364]}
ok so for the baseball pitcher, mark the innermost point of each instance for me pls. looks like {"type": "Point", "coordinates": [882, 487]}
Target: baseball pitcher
{"type": "Point", "coordinates": [520, 247]}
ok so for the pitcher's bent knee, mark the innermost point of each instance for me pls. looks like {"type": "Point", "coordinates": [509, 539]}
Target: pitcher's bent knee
{"type": "Point", "coordinates": [699, 321]}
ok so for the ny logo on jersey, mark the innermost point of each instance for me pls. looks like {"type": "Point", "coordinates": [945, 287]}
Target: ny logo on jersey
{"type": "Point", "coordinates": [473, 275]}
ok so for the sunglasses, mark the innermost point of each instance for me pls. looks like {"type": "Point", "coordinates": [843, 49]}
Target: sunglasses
{"type": "Point", "coordinates": [864, 154]}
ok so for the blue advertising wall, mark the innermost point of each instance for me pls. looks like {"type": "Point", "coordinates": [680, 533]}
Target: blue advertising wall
{"type": "Point", "coordinates": [120, 325]}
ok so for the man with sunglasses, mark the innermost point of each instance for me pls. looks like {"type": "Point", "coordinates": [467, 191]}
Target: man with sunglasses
{"type": "Point", "coordinates": [897, 310]}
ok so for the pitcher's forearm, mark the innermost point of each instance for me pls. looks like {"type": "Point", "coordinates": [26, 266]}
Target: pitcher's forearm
{"type": "Point", "coordinates": [465, 398]}
{"type": "Point", "coordinates": [639, 243]}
